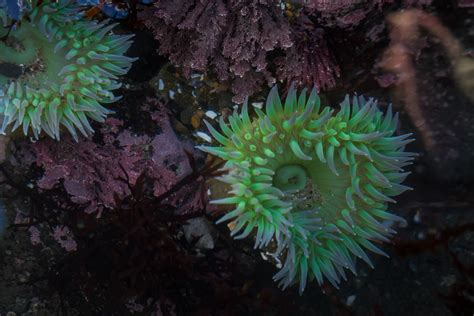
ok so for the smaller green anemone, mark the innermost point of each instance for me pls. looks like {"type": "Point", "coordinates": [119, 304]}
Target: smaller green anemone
{"type": "Point", "coordinates": [314, 183]}
{"type": "Point", "coordinates": [62, 68]}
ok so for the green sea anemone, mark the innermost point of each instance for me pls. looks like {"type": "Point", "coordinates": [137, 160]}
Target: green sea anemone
{"type": "Point", "coordinates": [312, 183]}
{"type": "Point", "coordinates": [57, 68]}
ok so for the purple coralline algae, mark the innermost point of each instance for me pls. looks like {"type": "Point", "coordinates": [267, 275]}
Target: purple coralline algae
{"type": "Point", "coordinates": [232, 38]}
{"type": "Point", "coordinates": [247, 45]}
{"type": "Point", "coordinates": [97, 174]}
{"type": "Point", "coordinates": [309, 61]}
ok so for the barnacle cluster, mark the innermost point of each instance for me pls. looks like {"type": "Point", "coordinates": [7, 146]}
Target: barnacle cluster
{"type": "Point", "coordinates": [57, 69]}
{"type": "Point", "coordinates": [314, 183]}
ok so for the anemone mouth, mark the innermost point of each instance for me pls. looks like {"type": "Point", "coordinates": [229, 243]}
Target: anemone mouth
{"type": "Point", "coordinates": [291, 178]}
{"type": "Point", "coordinates": [312, 186]}
{"type": "Point", "coordinates": [69, 68]}
{"type": "Point", "coordinates": [315, 183]}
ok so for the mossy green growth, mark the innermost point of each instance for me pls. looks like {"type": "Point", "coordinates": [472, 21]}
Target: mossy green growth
{"type": "Point", "coordinates": [67, 67]}
{"type": "Point", "coordinates": [315, 183]}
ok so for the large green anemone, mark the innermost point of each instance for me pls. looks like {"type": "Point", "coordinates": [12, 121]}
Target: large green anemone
{"type": "Point", "coordinates": [313, 184]}
{"type": "Point", "coordinates": [57, 68]}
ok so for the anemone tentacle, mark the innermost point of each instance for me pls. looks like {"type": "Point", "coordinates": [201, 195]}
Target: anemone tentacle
{"type": "Point", "coordinates": [315, 182]}
{"type": "Point", "coordinates": [69, 67]}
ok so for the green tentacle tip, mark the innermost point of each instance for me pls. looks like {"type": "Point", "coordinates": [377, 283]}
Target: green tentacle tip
{"type": "Point", "coordinates": [319, 192]}
{"type": "Point", "coordinates": [62, 69]}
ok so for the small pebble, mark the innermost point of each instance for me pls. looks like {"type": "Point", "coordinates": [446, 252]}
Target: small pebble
{"type": "Point", "coordinates": [24, 277]}
{"type": "Point", "coordinates": [196, 119]}
{"type": "Point", "coordinates": [211, 114]}
{"type": "Point", "coordinates": [350, 300]}
{"type": "Point", "coordinates": [180, 127]}
{"type": "Point", "coordinates": [198, 230]}
{"type": "Point", "coordinates": [171, 94]}
{"type": "Point", "coordinates": [417, 217]}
